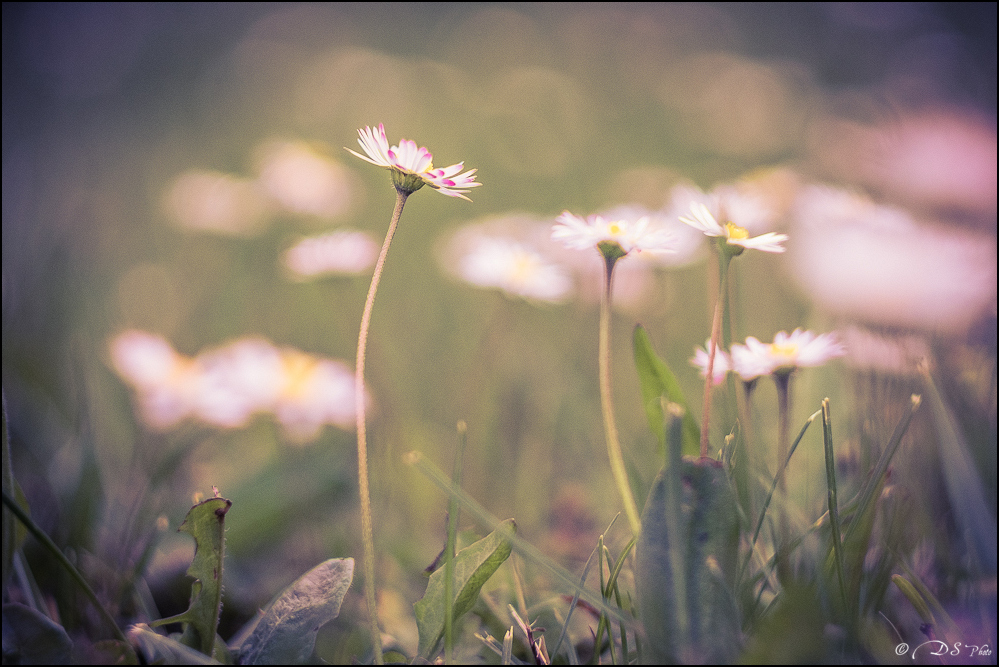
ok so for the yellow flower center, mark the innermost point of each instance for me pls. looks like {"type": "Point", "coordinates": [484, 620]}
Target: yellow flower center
{"type": "Point", "coordinates": [524, 267]}
{"type": "Point", "coordinates": [298, 370]}
{"type": "Point", "coordinates": [735, 232]}
{"type": "Point", "coordinates": [785, 351]}
{"type": "Point", "coordinates": [615, 229]}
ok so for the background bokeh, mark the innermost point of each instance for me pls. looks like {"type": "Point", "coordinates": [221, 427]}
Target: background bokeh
{"type": "Point", "coordinates": [160, 162]}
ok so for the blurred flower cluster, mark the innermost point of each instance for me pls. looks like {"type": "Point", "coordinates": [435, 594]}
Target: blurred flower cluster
{"type": "Point", "coordinates": [293, 178]}
{"type": "Point", "coordinates": [226, 386]}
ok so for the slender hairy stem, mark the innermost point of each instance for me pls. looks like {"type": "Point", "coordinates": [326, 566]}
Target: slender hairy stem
{"type": "Point", "coordinates": [716, 322]}
{"type": "Point", "coordinates": [607, 406]}
{"type": "Point", "coordinates": [367, 534]}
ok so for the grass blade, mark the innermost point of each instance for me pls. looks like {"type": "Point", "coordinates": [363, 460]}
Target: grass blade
{"type": "Point", "coordinates": [837, 545]}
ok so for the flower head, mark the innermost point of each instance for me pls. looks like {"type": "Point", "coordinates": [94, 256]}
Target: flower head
{"type": "Point", "coordinates": [344, 251]}
{"type": "Point", "coordinates": [613, 238]}
{"type": "Point", "coordinates": [514, 268]}
{"type": "Point", "coordinates": [722, 365]}
{"type": "Point", "coordinates": [413, 167]}
{"type": "Point", "coordinates": [787, 353]}
{"type": "Point", "coordinates": [733, 234]}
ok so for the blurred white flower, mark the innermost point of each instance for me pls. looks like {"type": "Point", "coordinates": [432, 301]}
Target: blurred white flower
{"type": "Point", "coordinates": [702, 219]}
{"type": "Point", "coordinates": [788, 352]}
{"type": "Point", "coordinates": [238, 380]}
{"type": "Point", "coordinates": [341, 252]}
{"type": "Point", "coordinates": [595, 231]}
{"type": "Point", "coordinates": [515, 269]}
{"type": "Point", "coordinates": [303, 181]}
{"type": "Point", "coordinates": [210, 201]}
{"type": "Point", "coordinates": [413, 167]}
{"type": "Point", "coordinates": [892, 352]}
{"type": "Point", "coordinates": [227, 385]}
{"type": "Point", "coordinates": [934, 159]}
{"type": "Point", "coordinates": [165, 381]}
{"type": "Point", "coordinates": [731, 203]}
{"type": "Point", "coordinates": [876, 264]}
{"type": "Point", "coordinates": [314, 392]}
{"type": "Point", "coordinates": [722, 365]}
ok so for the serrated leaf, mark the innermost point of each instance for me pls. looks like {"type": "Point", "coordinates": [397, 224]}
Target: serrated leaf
{"type": "Point", "coordinates": [473, 566]}
{"type": "Point", "coordinates": [30, 638]}
{"type": "Point", "coordinates": [685, 566]}
{"type": "Point", "coordinates": [205, 522]}
{"type": "Point", "coordinates": [158, 649]}
{"type": "Point", "coordinates": [658, 381]}
{"type": "Point", "coordinates": [284, 633]}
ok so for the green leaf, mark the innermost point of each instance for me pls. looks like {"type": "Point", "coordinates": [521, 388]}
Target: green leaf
{"type": "Point", "coordinates": [473, 566]}
{"type": "Point", "coordinates": [205, 522]}
{"type": "Point", "coordinates": [161, 650]}
{"type": "Point", "coordinates": [285, 631]}
{"type": "Point", "coordinates": [658, 381]}
{"type": "Point", "coordinates": [30, 638]}
{"type": "Point", "coordinates": [686, 562]}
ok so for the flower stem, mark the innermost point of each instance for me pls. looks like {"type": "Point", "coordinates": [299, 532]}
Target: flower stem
{"type": "Point", "coordinates": [367, 533]}
{"type": "Point", "coordinates": [716, 322]}
{"type": "Point", "coordinates": [607, 406]}
{"type": "Point", "coordinates": [783, 381]}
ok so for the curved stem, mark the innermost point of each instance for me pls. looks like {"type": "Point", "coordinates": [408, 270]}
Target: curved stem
{"type": "Point", "coordinates": [367, 533]}
{"type": "Point", "coordinates": [607, 407]}
{"type": "Point", "coordinates": [716, 322]}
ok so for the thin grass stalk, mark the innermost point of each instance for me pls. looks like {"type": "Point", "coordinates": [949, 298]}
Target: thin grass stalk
{"type": "Point", "coordinates": [74, 573]}
{"type": "Point", "coordinates": [367, 531]}
{"type": "Point", "coordinates": [452, 538]}
{"type": "Point", "coordinates": [607, 405]}
{"type": "Point", "coordinates": [773, 487]}
{"type": "Point", "coordinates": [872, 487]}
{"type": "Point", "coordinates": [575, 597]}
{"type": "Point", "coordinates": [522, 546]}
{"type": "Point", "coordinates": [837, 543]}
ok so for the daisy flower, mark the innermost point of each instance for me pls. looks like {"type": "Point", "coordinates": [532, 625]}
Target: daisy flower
{"type": "Point", "coordinates": [341, 252]}
{"type": "Point", "coordinates": [722, 365]}
{"type": "Point", "coordinates": [610, 237]}
{"type": "Point", "coordinates": [413, 167]}
{"type": "Point", "coordinates": [733, 234]}
{"type": "Point", "coordinates": [514, 268]}
{"type": "Point", "coordinates": [787, 353]}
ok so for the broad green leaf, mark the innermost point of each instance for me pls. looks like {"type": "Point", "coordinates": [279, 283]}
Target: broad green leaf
{"type": "Point", "coordinates": [159, 649]}
{"type": "Point", "coordinates": [31, 638]}
{"type": "Point", "coordinates": [206, 524]}
{"type": "Point", "coordinates": [657, 382]}
{"type": "Point", "coordinates": [685, 565]}
{"type": "Point", "coordinates": [285, 631]}
{"type": "Point", "coordinates": [473, 566]}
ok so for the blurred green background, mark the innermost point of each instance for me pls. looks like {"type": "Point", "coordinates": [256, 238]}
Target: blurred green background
{"type": "Point", "coordinates": [576, 107]}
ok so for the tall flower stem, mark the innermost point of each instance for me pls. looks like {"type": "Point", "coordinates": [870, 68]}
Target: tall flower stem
{"type": "Point", "coordinates": [607, 404]}
{"type": "Point", "coordinates": [716, 324]}
{"type": "Point", "coordinates": [783, 381]}
{"type": "Point", "coordinates": [367, 533]}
